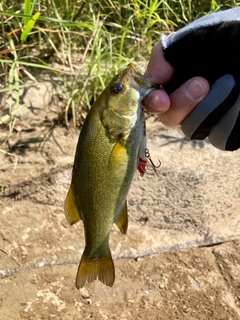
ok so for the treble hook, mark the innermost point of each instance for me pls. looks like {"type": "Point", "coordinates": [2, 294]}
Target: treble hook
{"type": "Point", "coordinates": [147, 154]}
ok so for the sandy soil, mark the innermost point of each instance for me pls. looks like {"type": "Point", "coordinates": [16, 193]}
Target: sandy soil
{"type": "Point", "coordinates": [183, 263]}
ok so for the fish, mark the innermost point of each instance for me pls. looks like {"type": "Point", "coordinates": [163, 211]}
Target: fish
{"type": "Point", "coordinates": [106, 159]}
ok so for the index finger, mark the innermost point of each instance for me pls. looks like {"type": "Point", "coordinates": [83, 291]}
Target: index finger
{"type": "Point", "coordinates": [158, 70]}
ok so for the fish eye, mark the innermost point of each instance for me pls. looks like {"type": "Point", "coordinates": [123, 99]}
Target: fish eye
{"type": "Point", "coordinates": [117, 88]}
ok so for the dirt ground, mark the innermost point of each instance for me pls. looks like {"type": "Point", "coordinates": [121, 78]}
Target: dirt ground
{"type": "Point", "coordinates": [183, 263]}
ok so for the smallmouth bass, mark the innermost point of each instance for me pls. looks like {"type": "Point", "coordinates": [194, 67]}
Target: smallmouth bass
{"type": "Point", "coordinates": [105, 162]}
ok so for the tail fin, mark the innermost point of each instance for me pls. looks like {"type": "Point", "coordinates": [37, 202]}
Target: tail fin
{"type": "Point", "coordinates": [90, 269]}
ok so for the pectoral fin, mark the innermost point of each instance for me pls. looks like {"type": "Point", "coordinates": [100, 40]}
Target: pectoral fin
{"type": "Point", "coordinates": [118, 156]}
{"type": "Point", "coordinates": [122, 221]}
{"type": "Point", "coordinates": [70, 209]}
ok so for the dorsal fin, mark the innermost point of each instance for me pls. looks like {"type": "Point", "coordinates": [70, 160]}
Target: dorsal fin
{"type": "Point", "coordinates": [70, 209]}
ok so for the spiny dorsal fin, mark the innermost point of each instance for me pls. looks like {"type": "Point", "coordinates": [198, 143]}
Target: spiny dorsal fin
{"type": "Point", "coordinates": [71, 213]}
{"type": "Point", "coordinates": [122, 221]}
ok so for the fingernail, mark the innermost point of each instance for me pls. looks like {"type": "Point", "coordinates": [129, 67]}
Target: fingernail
{"type": "Point", "coordinates": [194, 89]}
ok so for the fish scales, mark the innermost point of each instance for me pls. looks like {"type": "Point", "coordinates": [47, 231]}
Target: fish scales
{"type": "Point", "coordinates": [105, 162]}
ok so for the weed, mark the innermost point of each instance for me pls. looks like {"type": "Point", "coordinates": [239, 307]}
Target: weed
{"type": "Point", "coordinates": [101, 35]}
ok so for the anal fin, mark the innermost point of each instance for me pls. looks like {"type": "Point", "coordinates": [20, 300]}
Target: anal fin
{"type": "Point", "coordinates": [70, 209]}
{"type": "Point", "coordinates": [122, 220]}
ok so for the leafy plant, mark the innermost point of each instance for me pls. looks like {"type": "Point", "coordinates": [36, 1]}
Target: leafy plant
{"type": "Point", "coordinates": [101, 36]}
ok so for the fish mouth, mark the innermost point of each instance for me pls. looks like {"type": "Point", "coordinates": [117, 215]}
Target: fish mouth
{"type": "Point", "coordinates": [143, 85]}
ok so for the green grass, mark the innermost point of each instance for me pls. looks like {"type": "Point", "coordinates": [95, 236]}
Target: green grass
{"type": "Point", "coordinates": [104, 35]}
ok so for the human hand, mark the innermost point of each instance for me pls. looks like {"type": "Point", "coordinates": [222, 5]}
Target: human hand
{"type": "Point", "coordinates": [208, 47]}
{"type": "Point", "coordinates": [172, 109]}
